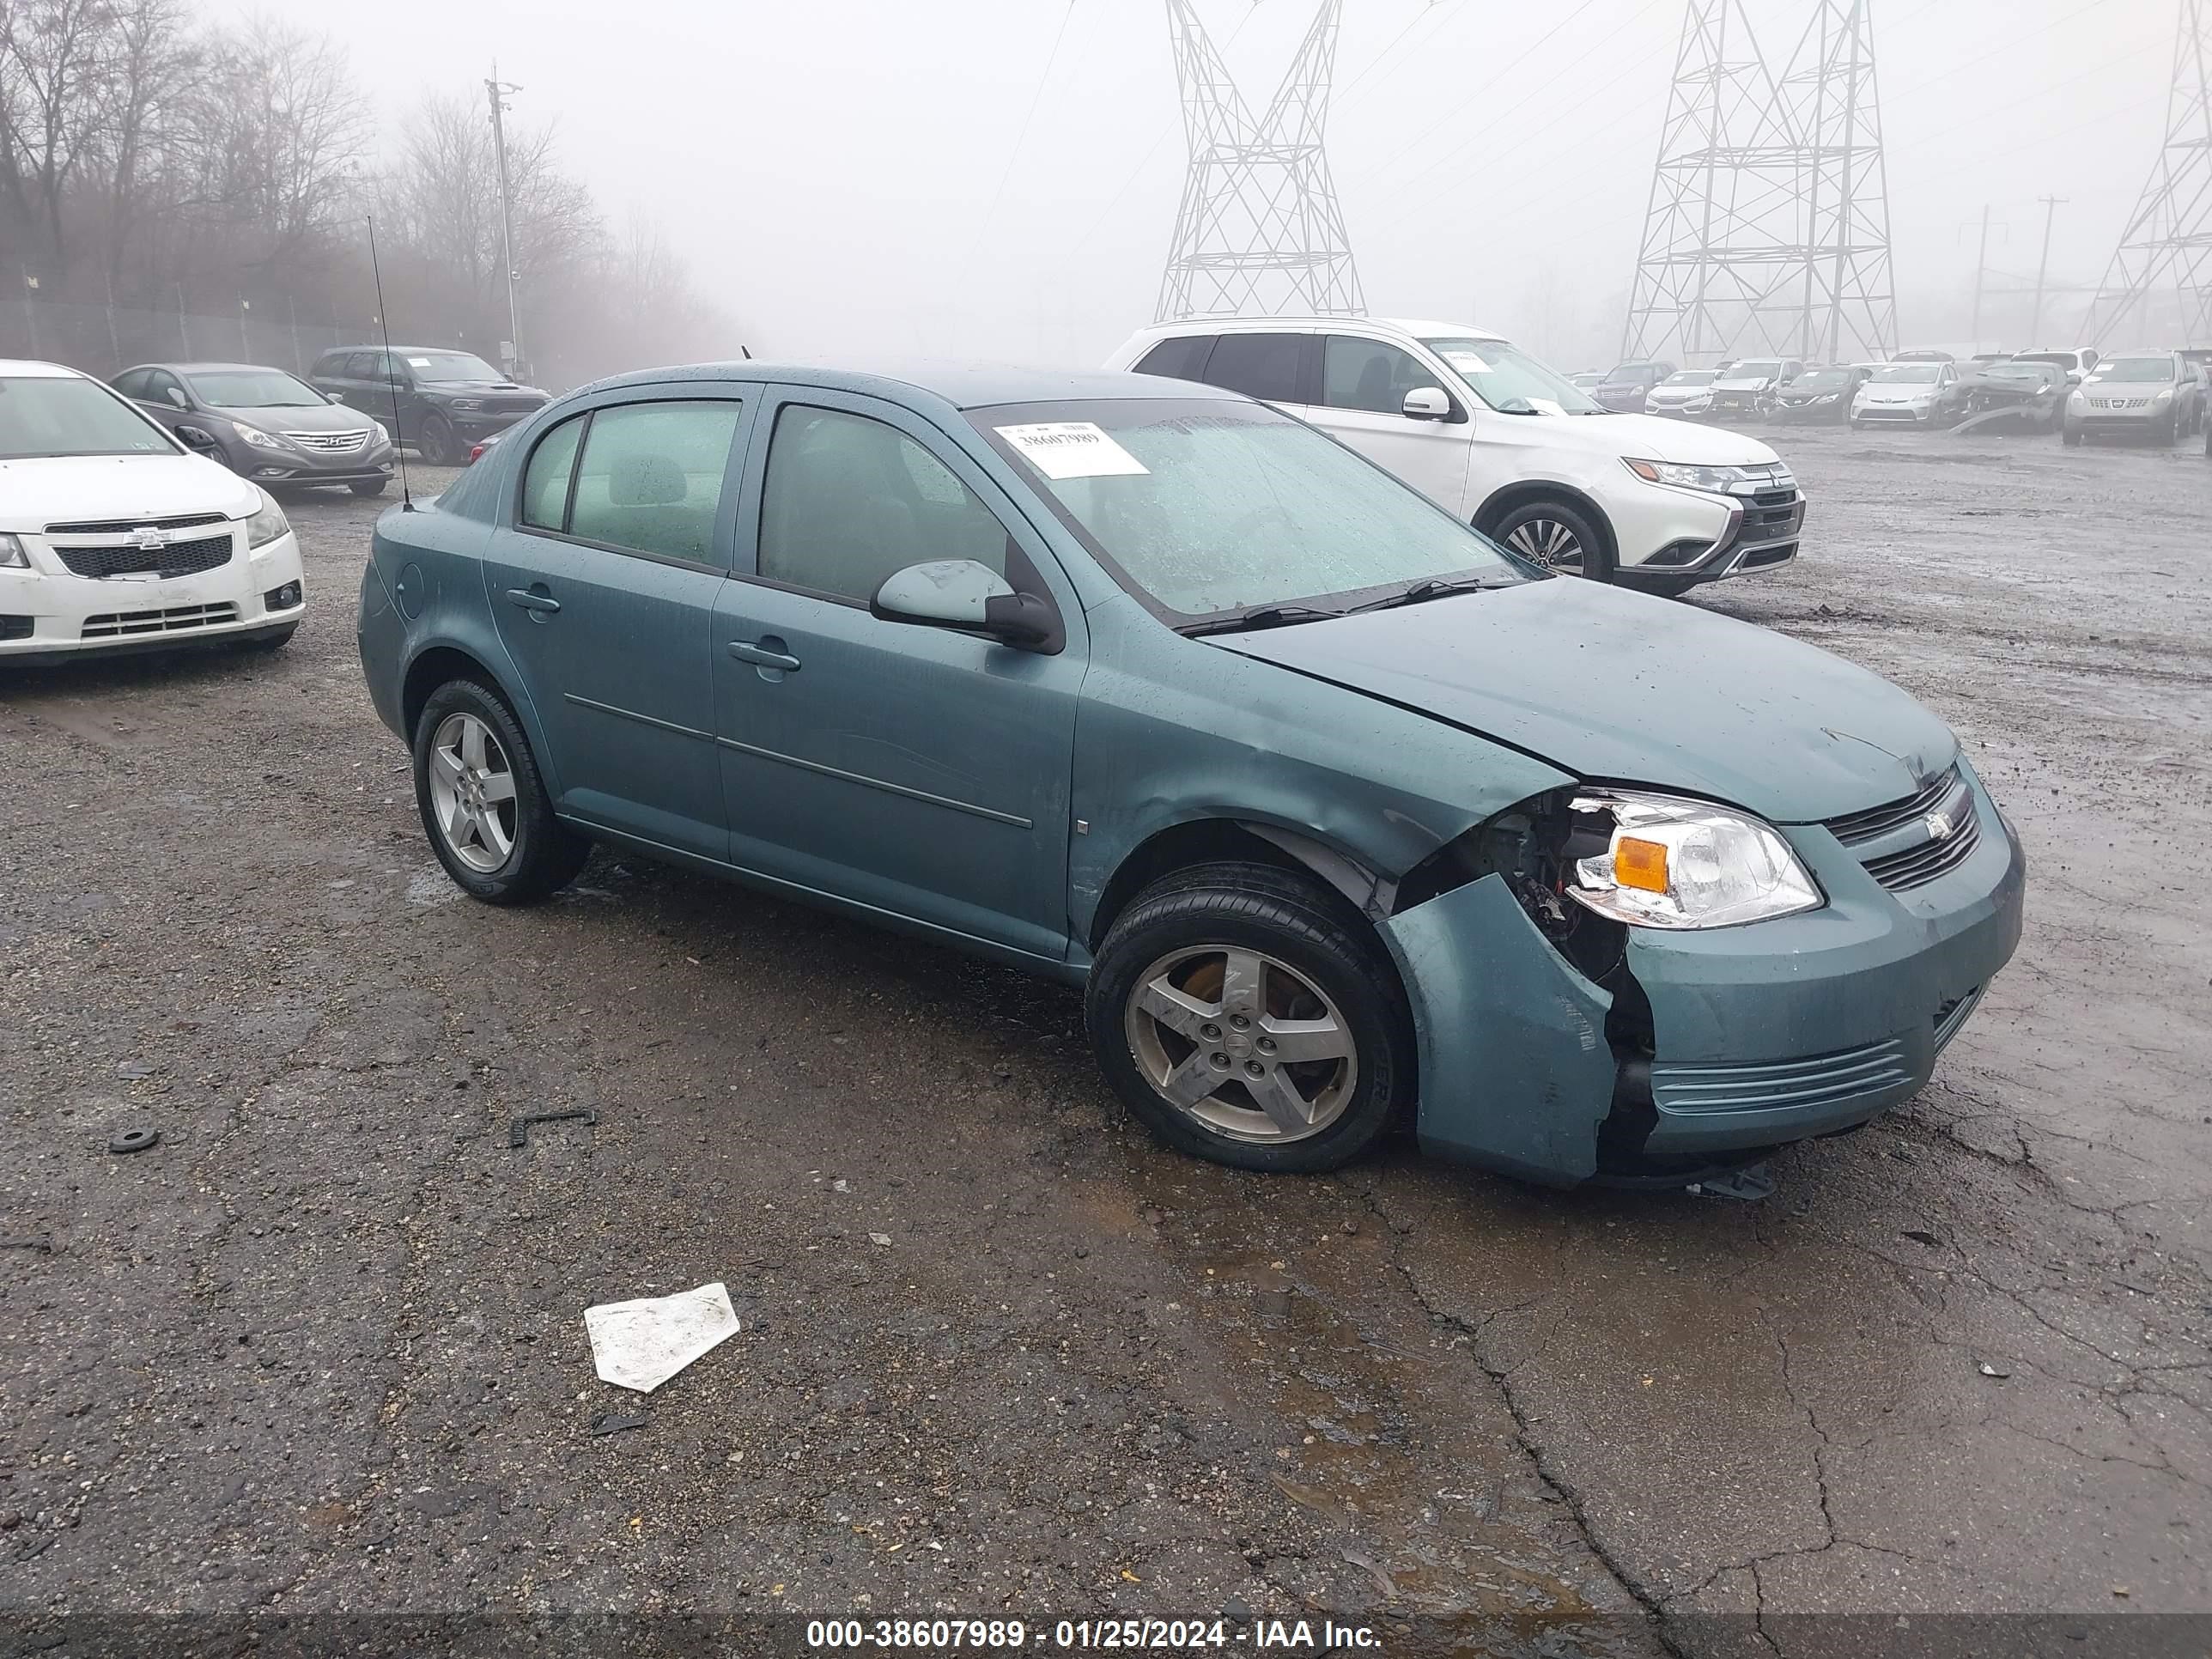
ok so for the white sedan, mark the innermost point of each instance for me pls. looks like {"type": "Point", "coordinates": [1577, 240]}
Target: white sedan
{"type": "Point", "coordinates": [115, 537]}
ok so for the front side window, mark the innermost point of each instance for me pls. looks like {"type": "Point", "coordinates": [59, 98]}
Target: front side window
{"type": "Point", "coordinates": [1513, 383]}
{"type": "Point", "coordinates": [545, 480]}
{"type": "Point", "coordinates": [849, 501]}
{"type": "Point", "coordinates": [650, 478]}
{"type": "Point", "coordinates": [163, 387]}
{"type": "Point", "coordinates": [1368, 374]}
{"type": "Point", "coordinates": [361, 366]}
{"type": "Point", "coordinates": [47, 414]}
{"type": "Point", "coordinates": [1262, 365]}
{"type": "Point", "coordinates": [1202, 509]}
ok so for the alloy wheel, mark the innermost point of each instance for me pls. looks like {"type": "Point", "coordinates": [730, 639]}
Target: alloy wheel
{"type": "Point", "coordinates": [473, 791]}
{"type": "Point", "coordinates": [1548, 543]}
{"type": "Point", "coordinates": [1242, 1042]}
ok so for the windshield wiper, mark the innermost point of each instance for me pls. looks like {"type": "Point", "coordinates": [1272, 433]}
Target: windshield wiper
{"type": "Point", "coordinates": [1268, 615]}
{"type": "Point", "coordinates": [1436, 587]}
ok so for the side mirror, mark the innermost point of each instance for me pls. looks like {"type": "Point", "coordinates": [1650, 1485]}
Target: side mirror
{"type": "Point", "coordinates": [971, 599]}
{"type": "Point", "coordinates": [1426, 403]}
{"type": "Point", "coordinates": [176, 397]}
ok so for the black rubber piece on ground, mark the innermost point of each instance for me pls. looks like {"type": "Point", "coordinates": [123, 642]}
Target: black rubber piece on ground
{"type": "Point", "coordinates": [134, 1140]}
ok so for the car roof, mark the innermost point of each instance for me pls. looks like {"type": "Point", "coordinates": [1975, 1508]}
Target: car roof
{"type": "Point", "coordinates": [962, 385]}
{"type": "Point", "coordinates": [1419, 328]}
{"type": "Point", "coordinates": [24, 368]}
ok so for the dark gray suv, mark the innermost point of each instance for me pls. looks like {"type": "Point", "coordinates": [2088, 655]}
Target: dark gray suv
{"type": "Point", "coordinates": [441, 402]}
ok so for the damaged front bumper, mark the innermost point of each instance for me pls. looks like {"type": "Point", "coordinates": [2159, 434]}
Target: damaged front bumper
{"type": "Point", "coordinates": [1705, 1048]}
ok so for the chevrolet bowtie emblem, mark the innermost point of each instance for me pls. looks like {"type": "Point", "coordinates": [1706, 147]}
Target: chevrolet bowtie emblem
{"type": "Point", "coordinates": [149, 539]}
{"type": "Point", "coordinates": [1939, 826]}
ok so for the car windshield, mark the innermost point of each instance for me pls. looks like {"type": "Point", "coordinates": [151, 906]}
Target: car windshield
{"type": "Point", "coordinates": [1693, 377]}
{"type": "Point", "coordinates": [1511, 381]}
{"type": "Point", "coordinates": [45, 414]}
{"type": "Point", "coordinates": [2056, 359]}
{"type": "Point", "coordinates": [1907, 374]}
{"type": "Point", "coordinates": [2135, 369]}
{"type": "Point", "coordinates": [449, 365]}
{"type": "Point", "coordinates": [1630, 374]}
{"type": "Point", "coordinates": [1820, 380]}
{"type": "Point", "coordinates": [1210, 509]}
{"type": "Point", "coordinates": [251, 388]}
{"type": "Point", "coordinates": [1758, 368]}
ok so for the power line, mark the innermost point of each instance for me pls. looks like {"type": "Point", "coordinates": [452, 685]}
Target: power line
{"type": "Point", "coordinates": [1014, 153]}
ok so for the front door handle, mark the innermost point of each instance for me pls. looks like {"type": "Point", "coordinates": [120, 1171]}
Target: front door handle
{"type": "Point", "coordinates": [762, 656]}
{"type": "Point", "coordinates": [535, 599]}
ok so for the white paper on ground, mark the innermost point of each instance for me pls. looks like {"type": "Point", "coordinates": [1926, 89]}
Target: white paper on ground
{"type": "Point", "coordinates": [640, 1345]}
{"type": "Point", "coordinates": [1073, 449]}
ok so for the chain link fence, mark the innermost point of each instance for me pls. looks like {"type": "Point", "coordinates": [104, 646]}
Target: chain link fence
{"type": "Point", "coordinates": [102, 339]}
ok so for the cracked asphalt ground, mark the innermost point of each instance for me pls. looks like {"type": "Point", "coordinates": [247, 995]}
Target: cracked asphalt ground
{"type": "Point", "coordinates": [323, 1349]}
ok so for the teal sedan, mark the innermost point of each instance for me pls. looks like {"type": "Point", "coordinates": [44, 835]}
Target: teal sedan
{"type": "Point", "coordinates": [1341, 816]}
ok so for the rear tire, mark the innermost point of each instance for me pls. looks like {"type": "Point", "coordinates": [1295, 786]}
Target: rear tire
{"type": "Point", "coordinates": [1559, 538]}
{"type": "Point", "coordinates": [1197, 980]}
{"type": "Point", "coordinates": [483, 803]}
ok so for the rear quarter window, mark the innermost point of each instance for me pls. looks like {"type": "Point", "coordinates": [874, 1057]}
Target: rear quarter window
{"type": "Point", "coordinates": [1180, 359]}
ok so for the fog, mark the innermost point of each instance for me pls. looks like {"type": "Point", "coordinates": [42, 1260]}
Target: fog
{"type": "Point", "coordinates": [999, 177]}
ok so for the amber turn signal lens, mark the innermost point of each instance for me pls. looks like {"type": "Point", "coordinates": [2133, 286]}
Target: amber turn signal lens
{"type": "Point", "coordinates": [1641, 863]}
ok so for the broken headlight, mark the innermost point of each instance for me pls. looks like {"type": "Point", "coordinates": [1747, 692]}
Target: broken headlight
{"type": "Point", "coordinates": [1676, 863]}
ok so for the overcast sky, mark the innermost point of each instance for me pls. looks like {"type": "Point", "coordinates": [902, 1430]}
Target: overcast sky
{"type": "Point", "coordinates": [858, 176]}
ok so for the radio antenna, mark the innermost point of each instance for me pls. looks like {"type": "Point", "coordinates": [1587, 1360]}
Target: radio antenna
{"type": "Point", "coordinates": [399, 453]}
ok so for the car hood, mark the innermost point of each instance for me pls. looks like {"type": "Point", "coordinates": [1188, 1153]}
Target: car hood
{"type": "Point", "coordinates": [1792, 396]}
{"type": "Point", "coordinates": [1740, 383]}
{"type": "Point", "coordinates": [1627, 688]}
{"type": "Point", "coordinates": [1649, 438]}
{"type": "Point", "coordinates": [1897, 394]}
{"type": "Point", "coordinates": [298, 417]}
{"type": "Point", "coordinates": [86, 489]}
{"type": "Point", "coordinates": [466, 387]}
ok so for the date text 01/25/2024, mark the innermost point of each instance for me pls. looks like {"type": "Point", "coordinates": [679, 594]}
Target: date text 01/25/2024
{"type": "Point", "coordinates": [1163, 1635]}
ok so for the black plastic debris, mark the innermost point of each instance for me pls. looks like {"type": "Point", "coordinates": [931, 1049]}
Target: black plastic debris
{"type": "Point", "coordinates": [615, 1423]}
{"type": "Point", "coordinates": [518, 1134]}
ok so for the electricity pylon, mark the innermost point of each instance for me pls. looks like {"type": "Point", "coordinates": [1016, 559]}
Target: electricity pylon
{"type": "Point", "coordinates": [2167, 246]}
{"type": "Point", "coordinates": [1259, 229]}
{"type": "Point", "coordinates": [1768, 228]}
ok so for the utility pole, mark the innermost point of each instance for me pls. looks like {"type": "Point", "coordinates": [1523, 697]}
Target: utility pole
{"type": "Point", "coordinates": [2050, 206]}
{"type": "Point", "coordinates": [1981, 271]}
{"type": "Point", "coordinates": [497, 89]}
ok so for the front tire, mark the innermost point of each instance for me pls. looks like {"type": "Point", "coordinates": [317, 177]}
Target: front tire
{"type": "Point", "coordinates": [435, 440]}
{"type": "Point", "coordinates": [2071, 436]}
{"type": "Point", "coordinates": [484, 802]}
{"type": "Point", "coordinates": [368, 486]}
{"type": "Point", "coordinates": [1247, 1015]}
{"type": "Point", "coordinates": [1559, 538]}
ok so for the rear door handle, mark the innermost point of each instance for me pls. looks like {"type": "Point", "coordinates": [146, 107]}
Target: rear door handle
{"type": "Point", "coordinates": [746, 651]}
{"type": "Point", "coordinates": [531, 599]}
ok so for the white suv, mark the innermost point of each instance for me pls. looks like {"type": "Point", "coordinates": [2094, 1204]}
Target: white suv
{"type": "Point", "coordinates": [113, 537]}
{"type": "Point", "coordinates": [1508, 444]}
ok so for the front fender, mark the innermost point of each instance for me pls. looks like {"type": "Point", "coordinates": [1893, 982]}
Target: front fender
{"type": "Point", "coordinates": [1515, 1072]}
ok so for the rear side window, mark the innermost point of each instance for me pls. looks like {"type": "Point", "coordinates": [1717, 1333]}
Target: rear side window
{"type": "Point", "coordinates": [1262, 365]}
{"type": "Point", "coordinates": [545, 481]}
{"type": "Point", "coordinates": [650, 478]}
{"type": "Point", "coordinates": [849, 501]}
{"type": "Point", "coordinates": [132, 385]}
{"type": "Point", "coordinates": [1367, 374]}
{"type": "Point", "coordinates": [1180, 359]}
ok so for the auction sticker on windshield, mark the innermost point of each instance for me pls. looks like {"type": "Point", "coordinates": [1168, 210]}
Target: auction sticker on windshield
{"type": "Point", "coordinates": [1072, 449]}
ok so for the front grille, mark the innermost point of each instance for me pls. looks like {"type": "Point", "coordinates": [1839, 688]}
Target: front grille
{"type": "Point", "coordinates": [177, 559]}
{"type": "Point", "coordinates": [125, 624]}
{"type": "Point", "coordinates": [14, 628]}
{"type": "Point", "coordinates": [1781, 1086]}
{"type": "Point", "coordinates": [1916, 866]}
{"type": "Point", "coordinates": [127, 526]}
{"type": "Point", "coordinates": [1878, 821]}
{"type": "Point", "coordinates": [329, 443]}
{"type": "Point", "coordinates": [512, 405]}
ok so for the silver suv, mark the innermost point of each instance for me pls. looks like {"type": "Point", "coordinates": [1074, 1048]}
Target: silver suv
{"type": "Point", "coordinates": [2152, 392]}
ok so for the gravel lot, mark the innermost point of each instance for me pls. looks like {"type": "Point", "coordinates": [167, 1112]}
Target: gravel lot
{"type": "Point", "coordinates": [322, 1349]}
